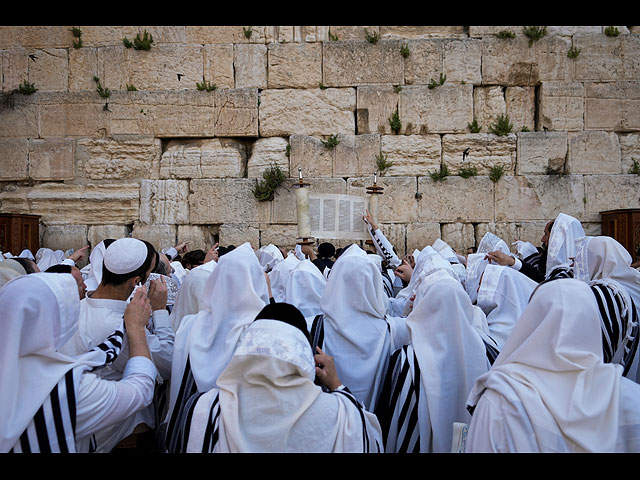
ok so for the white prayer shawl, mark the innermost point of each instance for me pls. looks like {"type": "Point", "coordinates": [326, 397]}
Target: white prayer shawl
{"type": "Point", "coordinates": [268, 402]}
{"type": "Point", "coordinates": [45, 258]}
{"type": "Point", "coordinates": [236, 291]}
{"type": "Point", "coordinates": [524, 249]}
{"type": "Point", "coordinates": [10, 270]}
{"type": "Point", "coordinates": [562, 241]}
{"type": "Point", "coordinates": [549, 390]}
{"type": "Point", "coordinates": [26, 253]}
{"type": "Point", "coordinates": [476, 264]}
{"type": "Point", "coordinates": [269, 256]}
{"type": "Point", "coordinates": [95, 267]}
{"type": "Point", "coordinates": [278, 276]}
{"type": "Point", "coordinates": [450, 352]}
{"type": "Point", "coordinates": [39, 315]}
{"type": "Point", "coordinates": [491, 242]}
{"type": "Point", "coordinates": [503, 296]}
{"type": "Point", "coordinates": [298, 252]}
{"type": "Point", "coordinates": [357, 331]}
{"type": "Point", "coordinates": [190, 298]}
{"type": "Point", "coordinates": [445, 250]}
{"type": "Point", "coordinates": [304, 288]}
{"type": "Point", "coordinates": [179, 271]}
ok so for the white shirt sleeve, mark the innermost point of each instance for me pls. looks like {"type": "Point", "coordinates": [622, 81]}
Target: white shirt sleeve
{"type": "Point", "coordinates": [68, 261]}
{"type": "Point", "coordinates": [161, 342]}
{"type": "Point", "coordinates": [101, 403]}
{"type": "Point", "coordinates": [517, 265]}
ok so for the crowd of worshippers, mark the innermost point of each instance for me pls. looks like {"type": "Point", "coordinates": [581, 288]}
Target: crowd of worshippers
{"type": "Point", "coordinates": [503, 348]}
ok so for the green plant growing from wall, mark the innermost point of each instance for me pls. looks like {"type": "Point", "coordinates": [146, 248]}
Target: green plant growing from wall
{"type": "Point", "coordinates": [247, 32]}
{"type": "Point", "coordinates": [433, 84]}
{"type": "Point", "coordinates": [372, 37]}
{"type": "Point", "coordinates": [466, 172]}
{"type": "Point", "coordinates": [441, 174]}
{"type": "Point", "coordinates": [635, 168]}
{"type": "Point", "coordinates": [573, 52]}
{"type": "Point", "coordinates": [322, 86]}
{"type": "Point", "coordinates": [103, 92]}
{"type": "Point", "coordinates": [26, 88]}
{"type": "Point", "coordinates": [77, 37]}
{"type": "Point", "coordinates": [397, 88]}
{"type": "Point", "coordinates": [332, 36]}
{"type": "Point", "coordinates": [549, 170]}
{"type": "Point", "coordinates": [502, 126]}
{"type": "Point", "coordinates": [131, 88]}
{"type": "Point", "coordinates": [474, 127]}
{"type": "Point", "coordinates": [205, 86]}
{"type": "Point", "coordinates": [382, 163]}
{"type": "Point", "coordinates": [505, 34]}
{"type": "Point", "coordinates": [272, 178]}
{"type": "Point", "coordinates": [534, 33]}
{"type": "Point", "coordinates": [611, 31]}
{"type": "Point", "coordinates": [496, 172]}
{"type": "Point", "coordinates": [524, 128]}
{"type": "Point", "coordinates": [139, 42]}
{"type": "Point", "coordinates": [331, 142]}
{"type": "Point", "coordinates": [287, 151]}
{"type": "Point", "coordinates": [394, 122]}
{"type": "Point", "coordinates": [404, 50]}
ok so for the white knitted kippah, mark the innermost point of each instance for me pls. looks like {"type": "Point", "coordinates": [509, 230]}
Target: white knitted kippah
{"type": "Point", "coordinates": [125, 255]}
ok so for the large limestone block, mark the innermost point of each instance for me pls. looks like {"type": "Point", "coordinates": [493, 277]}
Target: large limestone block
{"type": "Point", "coordinates": [610, 192]}
{"type": "Point", "coordinates": [348, 32]}
{"type": "Point", "coordinates": [267, 152]}
{"type": "Point", "coordinates": [355, 155]}
{"type": "Point", "coordinates": [59, 203]}
{"type": "Point", "coordinates": [14, 159]}
{"type": "Point", "coordinates": [594, 152]}
{"type": "Point", "coordinates": [250, 65]}
{"type": "Point", "coordinates": [462, 61]}
{"type": "Point", "coordinates": [160, 236]}
{"type": "Point", "coordinates": [411, 154]}
{"type": "Point", "coordinates": [198, 237]}
{"type": "Point", "coordinates": [80, 114]}
{"type": "Point", "coordinates": [538, 150]}
{"type": "Point", "coordinates": [295, 65]}
{"type": "Point", "coordinates": [629, 150]}
{"type": "Point", "coordinates": [49, 69]}
{"type": "Point", "coordinates": [203, 158]}
{"type": "Point", "coordinates": [98, 233]}
{"type": "Point", "coordinates": [284, 236]}
{"type": "Point", "coordinates": [424, 63]}
{"type": "Point", "coordinates": [117, 158]}
{"type": "Point", "coordinates": [479, 150]}
{"type": "Point", "coordinates": [35, 36]}
{"type": "Point", "coordinates": [561, 106]}
{"type": "Point", "coordinates": [239, 233]}
{"type": "Point", "coordinates": [488, 104]}
{"type": "Point", "coordinates": [612, 106]}
{"type": "Point", "coordinates": [236, 112]}
{"type": "Point", "coordinates": [376, 105]}
{"type": "Point", "coordinates": [218, 65]}
{"type": "Point", "coordinates": [284, 202]}
{"type": "Point", "coordinates": [421, 234]}
{"type": "Point", "coordinates": [20, 115]}
{"type": "Point", "coordinates": [521, 107]}
{"type": "Point", "coordinates": [225, 34]}
{"type": "Point", "coordinates": [415, 31]}
{"type": "Point", "coordinates": [397, 204]}
{"type": "Point", "coordinates": [64, 237]}
{"type": "Point", "coordinates": [51, 159]}
{"type": "Point", "coordinates": [459, 236]}
{"type": "Point", "coordinates": [353, 63]}
{"type": "Point", "coordinates": [532, 231]}
{"type": "Point", "coordinates": [83, 66]}
{"type": "Point", "coordinates": [225, 200]}
{"type": "Point", "coordinates": [456, 199]}
{"type": "Point", "coordinates": [600, 58]}
{"type": "Point", "coordinates": [539, 197]}
{"type": "Point", "coordinates": [112, 69]}
{"type": "Point", "coordinates": [492, 30]}
{"type": "Point", "coordinates": [311, 155]}
{"type": "Point", "coordinates": [108, 35]}
{"type": "Point", "coordinates": [630, 45]}
{"type": "Point", "coordinates": [285, 112]}
{"type": "Point", "coordinates": [166, 67]}
{"type": "Point", "coordinates": [164, 201]}
{"type": "Point", "coordinates": [14, 67]}
{"type": "Point", "coordinates": [444, 109]}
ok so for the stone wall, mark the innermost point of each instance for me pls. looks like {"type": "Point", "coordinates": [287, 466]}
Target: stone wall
{"type": "Point", "coordinates": [169, 162]}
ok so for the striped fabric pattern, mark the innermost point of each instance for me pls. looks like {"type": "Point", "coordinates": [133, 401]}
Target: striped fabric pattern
{"type": "Point", "coordinates": [175, 440]}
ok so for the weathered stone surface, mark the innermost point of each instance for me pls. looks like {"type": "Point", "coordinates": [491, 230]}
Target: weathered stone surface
{"type": "Point", "coordinates": [376, 105]}
{"type": "Point", "coordinates": [165, 67]}
{"type": "Point", "coordinates": [237, 234]}
{"type": "Point", "coordinates": [311, 155]}
{"type": "Point", "coordinates": [396, 233]}
{"type": "Point", "coordinates": [532, 231]}
{"type": "Point", "coordinates": [459, 236]}
{"type": "Point", "coordinates": [51, 159]}
{"type": "Point", "coordinates": [411, 154]}
{"type": "Point", "coordinates": [352, 63]}
{"type": "Point", "coordinates": [424, 62]}
{"type": "Point", "coordinates": [462, 61]}
{"type": "Point", "coordinates": [285, 112]}
{"type": "Point", "coordinates": [414, 31]}
{"type": "Point", "coordinates": [14, 68]}
{"type": "Point", "coordinates": [629, 150]}
{"type": "Point", "coordinates": [398, 202]}
{"type": "Point", "coordinates": [226, 200]}
{"type": "Point", "coordinates": [49, 69]}
{"type": "Point", "coordinates": [345, 32]}
{"type": "Point", "coordinates": [199, 237]}
{"type": "Point", "coordinates": [610, 192]}
{"type": "Point", "coordinates": [236, 113]}
{"type": "Point", "coordinates": [112, 69]}
{"type": "Point", "coordinates": [594, 152]}
{"type": "Point", "coordinates": [295, 65]}
{"type": "Point", "coordinates": [160, 236]}
{"type": "Point", "coordinates": [281, 235]}
{"type": "Point", "coordinates": [83, 66]}
{"type": "Point", "coordinates": [75, 204]}
{"type": "Point", "coordinates": [224, 34]}
{"type": "Point", "coordinates": [218, 65]}
{"type": "Point", "coordinates": [447, 108]}
{"type": "Point", "coordinates": [105, 35]}
{"type": "Point", "coordinates": [355, 155]}
{"type": "Point", "coordinates": [492, 30]}
{"type": "Point", "coordinates": [488, 104]}
{"type": "Point", "coordinates": [599, 59]}
{"type": "Point", "coordinates": [284, 202]}
{"type": "Point", "coordinates": [612, 106]}
{"type": "Point", "coordinates": [98, 233]}
{"type": "Point", "coordinates": [117, 159]}
{"type": "Point", "coordinates": [164, 201]}
{"type": "Point", "coordinates": [20, 115]}
{"type": "Point", "coordinates": [538, 150]}
{"type": "Point", "coordinates": [71, 114]}
{"type": "Point", "coordinates": [267, 152]}
{"type": "Point", "coordinates": [561, 106]}
{"type": "Point", "coordinates": [539, 197]}
{"type": "Point", "coordinates": [35, 36]}
{"type": "Point", "coordinates": [14, 159]}
{"type": "Point", "coordinates": [250, 65]}
{"type": "Point", "coordinates": [485, 150]}
{"type": "Point", "coordinates": [440, 201]}
{"type": "Point", "coordinates": [421, 234]}
{"type": "Point", "coordinates": [206, 158]}
{"type": "Point", "coordinates": [64, 237]}
{"type": "Point", "coordinates": [521, 108]}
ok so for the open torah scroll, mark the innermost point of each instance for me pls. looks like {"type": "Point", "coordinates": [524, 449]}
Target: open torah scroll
{"type": "Point", "coordinates": [338, 216]}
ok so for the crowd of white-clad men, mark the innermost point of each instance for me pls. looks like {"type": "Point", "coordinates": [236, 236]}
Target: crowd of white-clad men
{"type": "Point", "coordinates": [502, 348]}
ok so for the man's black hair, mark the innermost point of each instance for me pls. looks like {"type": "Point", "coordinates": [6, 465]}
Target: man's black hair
{"type": "Point", "coordinates": [110, 278]}
{"type": "Point", "coordinates": [59, 268]}
{"type": "Point", "coordinates": [287, 313]}
{"type": "Point", "coordinates": [193, 258]}
{"type": "Point", "coordinates": [28, 264]}
{"type": "Point", "coordinates": [326, 250]}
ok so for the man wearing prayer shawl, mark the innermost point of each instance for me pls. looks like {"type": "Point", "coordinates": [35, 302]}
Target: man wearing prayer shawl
{"type": "Point", "coordinates": [304, 288]}
{"type": "Point", "coordinates": [266, 400]}
{"type": "Point", "coordinates": [10, 269]}
{"type": "Point", "coordinates": [278, 275]}
{"type": "Point", "coordinates": [358, 333]}
{"type": "Point", "coordinates": [235, 291]}
{"type": "Point", "coordinates": [52, 402]}
{"type": "Point", "coordinates": [428, 379]}
{"type": "Point", "coordinates": [127, 263]}
{"type": "Point", "coordinates": [549, 389]}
